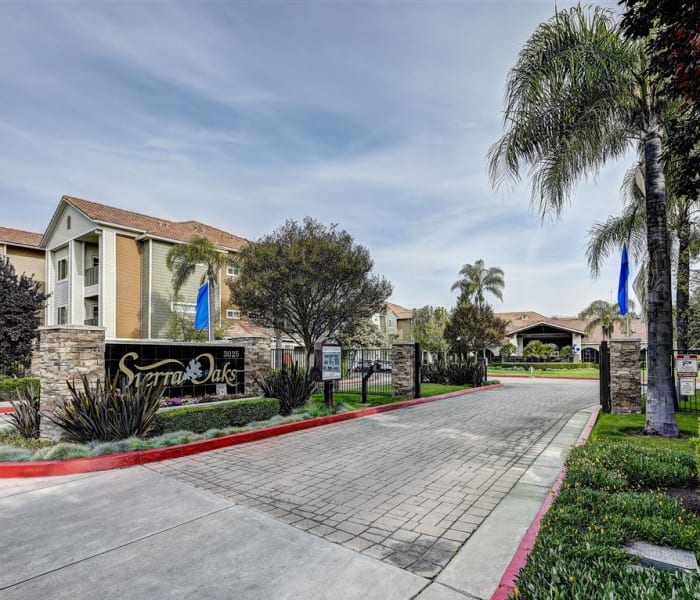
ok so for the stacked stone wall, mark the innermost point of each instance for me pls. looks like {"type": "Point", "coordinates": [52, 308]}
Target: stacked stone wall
{"type": "Point", "coordinates": [257, 361]}
{"type": "Point", "coordinates": [625, 373]}
{"type": "Point", "coordinates": [403, 361]}
{"type": "Point", "coordinates": [65, 353]}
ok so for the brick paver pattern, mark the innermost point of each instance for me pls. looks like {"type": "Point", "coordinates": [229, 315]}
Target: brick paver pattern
{"type": "Point", "coordinates": [407, 487]}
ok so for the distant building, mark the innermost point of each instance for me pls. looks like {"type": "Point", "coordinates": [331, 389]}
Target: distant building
{"type": "Point", "coordinates": [396, 322]}
{"type": "Point", "coordinates": [524, 327]}
{"type": "Point", "coordinates": [23, 249]}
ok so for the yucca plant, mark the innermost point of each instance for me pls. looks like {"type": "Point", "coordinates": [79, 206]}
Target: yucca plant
{"type": "Point", "coordinates": [26, 416]}
{"type": "Point", "coordinates": [108, 410]}
{"type": "Point", "coordinates": [292, 386]}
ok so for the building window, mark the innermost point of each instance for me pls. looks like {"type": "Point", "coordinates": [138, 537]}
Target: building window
{"type": "Point", "coordinates": [62, 315]}
{"type": "Point", "coordinates": [231, 270]}
{"type": "Point", "coordinates": [233, 314]}
{"type": "Point", "coordinates": [68, 222]}
{"type": "Point", "coordinates": [62, 269]}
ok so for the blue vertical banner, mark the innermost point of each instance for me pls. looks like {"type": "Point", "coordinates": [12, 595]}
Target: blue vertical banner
{"type": "Point", "coordinates": [201, 316]}
{"type": "Point", "coordinates": [622, 284]}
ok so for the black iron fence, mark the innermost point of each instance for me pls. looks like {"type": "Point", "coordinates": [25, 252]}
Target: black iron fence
{"type": "Point", "coordinates": [13, 370]}
{"type": "Point", "coordinates": [370, 367]}
{"type": "Point", "coordinates": [685, 402]}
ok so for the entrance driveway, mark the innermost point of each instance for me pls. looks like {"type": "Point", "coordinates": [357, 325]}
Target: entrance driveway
{"type": "Point", "coordinates": [407, 487]}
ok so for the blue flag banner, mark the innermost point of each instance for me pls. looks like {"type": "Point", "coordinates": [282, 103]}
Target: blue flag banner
{"type": "Point", "coordinates": [622, 284]}
{"type": "Point", "coordinates": [201, 317]}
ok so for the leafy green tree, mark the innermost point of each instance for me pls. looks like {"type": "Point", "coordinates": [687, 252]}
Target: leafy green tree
{"type": "Point", "coordinates": [473, 328]}
{"type": "Point", "coordinates": [308, 281]}
{"type": "Point", "coordinates": [362, 334]}
{"type": "Point", "coordinates": [566, 352]}
{"type": "Point", "coordinates": [429, 328]}
{"type": "Point", "coordinates": [603, 315]}
{"type": "Point", "coordinates": [21, 299]}
{"type": "Point", "coordinates": [535, 349]}
{"type": "Point", "coordinates": [507, 350]}
{"type": "Point", "coordinates": [476, 280]}
{"type": "Point", "coordinates": [182, 261]}
{"type": "Point", "coordinates": [578, 96]}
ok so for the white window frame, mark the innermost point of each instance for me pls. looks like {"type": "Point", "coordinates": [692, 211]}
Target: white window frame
{"type": "Point", "coordinates": [233, 314]}
{"type": "Point", "coordinates": [58, 269]}
{"type": "Point", "coordinates": [231, 270]}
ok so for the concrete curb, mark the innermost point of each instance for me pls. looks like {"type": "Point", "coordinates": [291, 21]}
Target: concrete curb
{"type": "Point", "coordinates": [74, 466]}
{"type": "Point", "coordinates": [510, 576]}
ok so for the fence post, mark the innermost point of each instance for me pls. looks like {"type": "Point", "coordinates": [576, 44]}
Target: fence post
{"type": "Point", "coordinates": [418, 359]}
{"type": "Point", "coordinates": [604, 360]}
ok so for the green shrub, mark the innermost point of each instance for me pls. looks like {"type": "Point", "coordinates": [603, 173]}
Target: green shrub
{"type": "Point", "coordinates": [173, 438]}
{"type": "Point", "coordinates": [9, 387]}
{"type": "Point", "coordinates": [615, 466]}
{"type": "Point", "coordinates": [110, 448]}
{"type": "Point", "coordinates": [14, 454]}
{"type": "Point", "coordinates": [108, 411]}
{"type": "Point", "coordinates": [293, 387]}
{"type": "Point", "coordinates": [468, 372]}
{"type": "Point", "coordinates": [543, 366]}
{"type": "Point", "coordinates": [199, 419]}
{"type": "Point", "coordinates": [26, 416]}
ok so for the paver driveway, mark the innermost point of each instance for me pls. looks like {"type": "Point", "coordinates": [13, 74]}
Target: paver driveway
{"type": "Point", "coordinates": [408, 487]}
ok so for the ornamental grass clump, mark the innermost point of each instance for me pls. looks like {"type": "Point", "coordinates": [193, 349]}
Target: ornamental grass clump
{"type": "Point", "coordinates": [26, 417]}
{"type": "Point", "coordinates": [292, 386]}
{"type": "Point", "coordinates": [108, 411]}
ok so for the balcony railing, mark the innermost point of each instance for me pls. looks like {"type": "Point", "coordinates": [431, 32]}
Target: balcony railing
{"type": "Point", "coordinates": [92, 276]}
{"type": "Point", "coordinates": [94, 321]}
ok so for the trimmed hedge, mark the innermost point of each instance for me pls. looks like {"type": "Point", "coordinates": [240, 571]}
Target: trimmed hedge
{"type": "Point", "coordinates": [541, 366]}
{"type": "Point", "coordinates": [199, 419]}
{"type": "Point", "coordinates": [10, 385]}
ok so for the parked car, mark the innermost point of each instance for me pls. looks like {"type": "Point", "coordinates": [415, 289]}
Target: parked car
{"type": "Point", "coordinates": [380, 366]}
{"type": "Point", "coordinates": [383, 365]}
{"type": "Point", "coordinates": [363, 366]}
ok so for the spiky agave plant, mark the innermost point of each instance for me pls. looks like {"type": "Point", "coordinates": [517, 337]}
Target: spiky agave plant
{"type": "Point", "coordinates": [26, 416]}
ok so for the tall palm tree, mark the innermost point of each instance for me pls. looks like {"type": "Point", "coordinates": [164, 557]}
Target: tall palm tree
{"type": "Point", "coordinates": [182, 261]}
{"type": "Point", "coordinates": [476, 280]}
{"type": "Point", "coordinates": [605, 315]}
{"type": "Point", "coordinates": [577, 97]}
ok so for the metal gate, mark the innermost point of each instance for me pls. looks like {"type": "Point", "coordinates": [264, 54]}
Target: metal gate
{"type": "Point", "coordinates": [604, 357]}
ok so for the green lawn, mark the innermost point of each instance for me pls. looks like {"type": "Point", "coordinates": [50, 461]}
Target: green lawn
{"type": "Point", "coordinates": [619, 427]}
{"type": "Point", "coordinates": [435, 389]}
{"type": "Point", "coordinates": [579, 373]}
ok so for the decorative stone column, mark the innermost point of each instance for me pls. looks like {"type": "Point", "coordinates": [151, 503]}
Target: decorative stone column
{"type": "Point", "coordinates": [403, 361]}
{"type": "Point", "coordinates": [65, 353]}
{"type": "Point", "coordinates": [257, 361]}
{"type": "Point", "coordinates": [625, 374]}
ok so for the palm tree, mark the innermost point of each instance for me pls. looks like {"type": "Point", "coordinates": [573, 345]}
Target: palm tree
{"type": "Point", "coordinates": [605, 315]}
{"type": "Point", "coordinates": [577, 97]}
{"type": "Point", "coordinates": [476, 280]}
{"type": "Point", "coordinates": [183, 259]}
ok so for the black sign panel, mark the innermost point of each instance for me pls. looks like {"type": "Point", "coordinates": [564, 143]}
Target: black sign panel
{"type": "Point", "coordinates": [187, 369]}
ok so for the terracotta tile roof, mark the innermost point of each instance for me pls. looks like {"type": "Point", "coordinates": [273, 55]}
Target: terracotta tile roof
{"type": "Point", "coordinates": [525, 319]}
{"type": "Point", "coordinates": [400, 311]}
{"type": "Point", "coordinates": [180, 231]}
{"type": "Point", "coordinates": [19, 237]}
{"type": "Point", "coordinates": [244, 328]}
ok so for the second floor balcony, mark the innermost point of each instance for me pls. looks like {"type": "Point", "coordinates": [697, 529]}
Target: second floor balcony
{"type": "Point", "coordinates": [92, 276]}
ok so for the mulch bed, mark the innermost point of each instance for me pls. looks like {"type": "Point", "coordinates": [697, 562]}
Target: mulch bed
{"type": "Point", "coordinates": [688, 498]}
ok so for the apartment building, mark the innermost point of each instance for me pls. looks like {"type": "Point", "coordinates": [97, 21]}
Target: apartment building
{"type": "Point", "coordinates": [23, 249]}
{"type": "Point", "coordinates": [107, 266]}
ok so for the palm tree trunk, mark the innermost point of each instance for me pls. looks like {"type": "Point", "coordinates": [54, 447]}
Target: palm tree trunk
{"type": "Point", "coordinates": [683, 285]}
{"type": "Point", "coordinates": [660, 417]}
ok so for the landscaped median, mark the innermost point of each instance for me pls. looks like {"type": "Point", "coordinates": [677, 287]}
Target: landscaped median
{"type": "Point", "coordinates": [182, 443]}
{"type": "Point", "coordinates": [621, 487]}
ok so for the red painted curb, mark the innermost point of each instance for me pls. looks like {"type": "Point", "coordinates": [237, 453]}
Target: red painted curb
{"type": "Point", "coordinates": [510, 575]}
{"type": "Point", "coordinates": [6, 409]}
{"type": "Point", "coordinates": [548, 377]}
{"type": "Point", "coordinates": [74, 466]}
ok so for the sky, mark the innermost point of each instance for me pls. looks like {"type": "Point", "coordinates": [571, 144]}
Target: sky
{"type": "Point", "coordinates": [376, 116]}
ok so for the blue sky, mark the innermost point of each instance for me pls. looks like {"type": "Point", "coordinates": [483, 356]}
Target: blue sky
{"type": "Point", "coordinates": [376, 116]}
